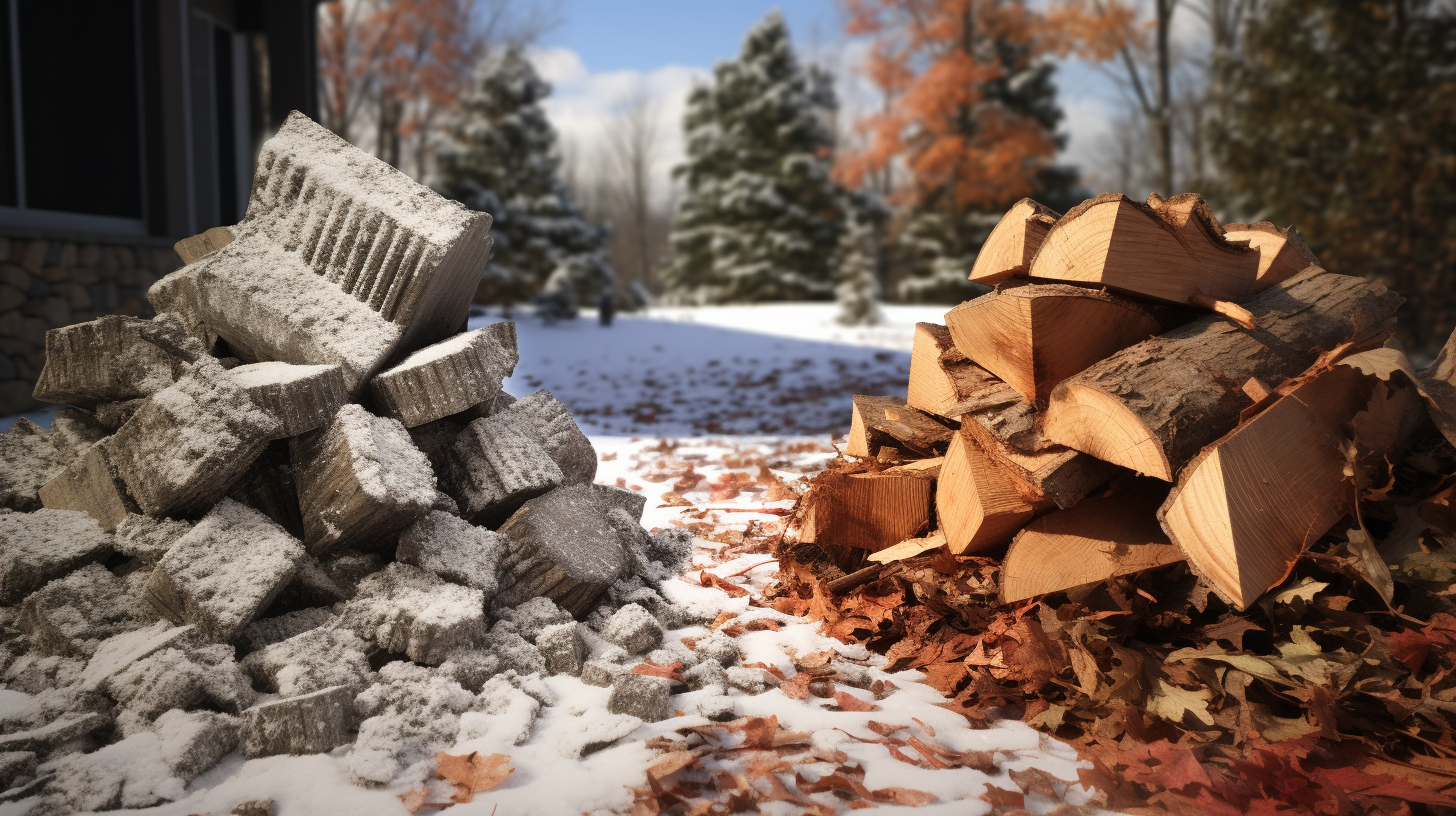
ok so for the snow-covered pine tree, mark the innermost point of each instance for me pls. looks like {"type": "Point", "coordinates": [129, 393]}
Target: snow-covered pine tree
{"type": "Point", "coordinates": [858, 292]}
{"type": "Point", "coordinates": [501, 158]}
{"type": "Point", "coordinates": [760, 218]}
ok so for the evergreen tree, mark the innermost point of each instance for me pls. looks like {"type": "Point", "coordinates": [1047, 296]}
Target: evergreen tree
{"type": "Point", "coordinates": [501, 158]}
{"type": "Point", "coordinates": [1340, 118]}
{"type": "Point", "coordinates": [858, 292]}
{"type": "Point", "coordinates": [761, 217]}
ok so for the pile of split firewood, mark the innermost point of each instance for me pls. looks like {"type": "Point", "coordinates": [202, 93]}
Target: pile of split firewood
{"type": "Point", "coordinates": [296, 510]}
{"type": "Point", "coordinates": [1171, 492]}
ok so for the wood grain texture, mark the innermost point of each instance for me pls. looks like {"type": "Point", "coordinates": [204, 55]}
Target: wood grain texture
{"type": "Point", "coordinates": [881, 421]}
{"type": "Point", "coordinates": [1009, 248]}
{"type": "Point", "coordinates": [1111, 534]}
{"type": "Point", "coordinates": [1282, 253]}
{"type": "Point", "coordinates": [1171, 250]}
{"type": "Point", "coordinates": [1058, 474]}
{"type": "Point", "coordinates": [873, 511]}
{"type": "Point", "coordinates": [944, 382]}
{"type": "Point", "coordinates": [977, 502]}
{"type": "Point", "coordinates": [1034, 336]}
{"type": "Point", "coordinates": [1151, 407]}
{"type": "Point", "coordinates": [431, 385]}
{"type": "Point", "coordinates": [1247, 506]}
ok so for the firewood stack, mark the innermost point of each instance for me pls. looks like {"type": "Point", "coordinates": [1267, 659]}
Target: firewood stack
{"type": "Point", "coordinates": [1142, 386]}
{"type": "Point", "coordinates": [305, 461]}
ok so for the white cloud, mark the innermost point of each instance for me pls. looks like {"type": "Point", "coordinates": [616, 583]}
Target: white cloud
{"type": "Point", "coordinates": [583, 102]}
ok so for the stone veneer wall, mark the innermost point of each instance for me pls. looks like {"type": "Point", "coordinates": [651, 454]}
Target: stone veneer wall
{"type": "Point", "coordinates": [47, 283]}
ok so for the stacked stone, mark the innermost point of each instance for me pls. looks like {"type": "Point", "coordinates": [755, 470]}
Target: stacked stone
{"type": "Point", "coordinates": [45, 284]}
{"type": "Point", "coordinates": [296, 510]}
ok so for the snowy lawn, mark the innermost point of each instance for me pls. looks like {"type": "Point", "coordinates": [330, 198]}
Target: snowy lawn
{"type": "Point", "coordinates": [709, 413]}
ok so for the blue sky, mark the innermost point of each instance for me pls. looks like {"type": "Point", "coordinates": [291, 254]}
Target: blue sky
{"type": "Point", "coordinates": [642, 35]}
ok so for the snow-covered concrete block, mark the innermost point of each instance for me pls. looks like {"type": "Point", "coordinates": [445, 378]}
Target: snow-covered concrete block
{"type": "Point", "coordinates": [113, 415]}
{"type": "Point", "coordinates": [91, 485]}
{"type": "Point", "coordinates": [634, 629]}
{"type": "Point", "coordinates": [42, 739]}
{"type": "Point", "coordinates": [602, 673]}
{"type": "Point", "coordinates": [447, 377]}
{"type": "Point", "coordinates": [406, 610]}
{"type": "Point", "coordinates": [515, 652]}
{"type": "Point", "coordinates": [453, 549]}
{"type": "Point", "coordinates": [114, 358]}
{"type": "Point", "coordinates": [16, 765]}
{"type": "Point", "coordinates": [28, 459]}
{"type": "Point", "coordinates": [560, 547]}
{"type": "Point", "coordinates": [494, 466]}
{"type": "Point", "coordinates": [719, 648]}
{"type": "Point", "coordinates": [705, 674]}
{"type": "Point", "coordinates": [267, 631]}
{"type": "Point", "coordinates": [73, 614]}
{"type": "Point", "coordinates": [184, 447]}
{"type": "Point", "coordinates": [547, 420]}
{"type": "Point", "coordinates": [471, 667]}
{"type": "Point", "coordinates": [225, 571]}
{"type": "Point", "coordinates": [312, 660]}
{"type": "Point", "coordinates": [718, 708]}
{"type": "Point", "coordinates": [562, 646]}
{"type": "Point", "coordinates": [37, 547]}
{"type": "Point", "coordinates": [178, 678]}
{"type": "Point", "coordinates": [748, 681]}
{"type": "Point", "coordinates": [412, 714]}
{"type": "Point", "coordinates": [641, 696]}
{"type": "Point", "coordinates": [505, 721]}
{"type": "Point", "coordinates": [341, 259]}
{"type": "Point", "coordinates": [73, 432]}
{"type": "Point", "coordinates": [630, 502]}
{"type": "Point", "coordinates": [301, 397]}
{"type": "Point", "coordinates": [127, 774]}
{"type": "Point", "coordinates": [307, 724]}
{"type": "Point", "coordinates": [115, 654]}
{"type": "Point", "coordinates": [360, 481]}
{"type": "Point", "coordinates": [192, 742]}
{"type": "Point", "coordinates": [148, 539]}
{"type": "Point", "coordinates": [533, 616]}
{"type": "Point", "coordinates": [591, 731]}
{"type": "Point", "coordinates": [253, 807]}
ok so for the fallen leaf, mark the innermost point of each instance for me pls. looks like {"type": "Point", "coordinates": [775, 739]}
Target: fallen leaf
{"type": "Point", "coordinates": [414, 799]}
{"type": "Point", "coordinates": [472, 773]}
{"type": "Point", "coordinates": [849, 702]}
{"type": "Point", "coordinates": [708, 579]}
{"type": "Point", "coordinates": [1173, 703]}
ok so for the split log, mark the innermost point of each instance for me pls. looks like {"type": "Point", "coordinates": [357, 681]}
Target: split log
{"type": "Point", "coordinates": [302, 397]}
{"type": "Point", "coordinates": [1172, 250]}
{"type": "Point", "coordinates": [1009, 248]}
{"type": "Point", "coordinates": [1248, 506]}
{"type": "Point", "coordinates": [878, 422]}
{"type": "Point", "coordinates": [1112, 534]}
{"type": "Point", "coordinates": [341, 259]}
{"type": "Point", "coordinates": [872, 511]}
{"type": "Point", "coordinates": [977, 501]}
{"type": "Point", "coordinates": [91, 485]}
{"type": "Point", "coordinates": [200, 246]}
{"type": "Point", "coordinates": [560, 546]}
{"type": "Point", "coordinates": [448, 377]}
{"type": "Point", "coordinates": [360, 481]}
{"type": "Point", "coordinates": [114, 358]}
{"type": "Point", "coordinates": [909, 548]}
{"type": "Point", "coordinates": [1034, 336]}
{"type": "Point", "coordinates": [1151, 407]}
{"type": "Point", "coordinates": [944, 382]}
{"type": "Point", "coordinates": [186, 445]}
{"type": "Point", "coordinates": [1282, 253]}
{"type": "Point", "coordinates": [1056, 473]}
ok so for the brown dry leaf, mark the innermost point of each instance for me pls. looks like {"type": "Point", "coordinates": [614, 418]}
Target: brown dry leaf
{"type": "Point", "coordinates": [472, 773]}
{"type": "Point", "coordinates": [672, 672]}
{"type": "Point", "coordinates": [885, 729]}
{"type": "Point", "coordinates": [415, 799]}
{"type": "Point", "coordinates": [708, 579]}
{"type": "Point", "coordinates": [1035, 780]}
{"type": "Point", "coordinates": [1002, 798]}
{"type": "Point", "coordinates": [849, 702]}
{"type": "Point", "coordinates": [670, 763]}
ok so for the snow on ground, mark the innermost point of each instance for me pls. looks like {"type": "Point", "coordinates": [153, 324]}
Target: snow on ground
{"type": "Point", "coordinates": [660, 396]}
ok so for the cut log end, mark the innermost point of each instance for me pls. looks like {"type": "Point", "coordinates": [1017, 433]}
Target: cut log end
{"type": "Point", "coordinates": [1096, 423]}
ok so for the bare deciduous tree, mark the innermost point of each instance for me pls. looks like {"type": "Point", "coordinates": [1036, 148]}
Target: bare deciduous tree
{"type": "Point", "coordinates": [630, 145]}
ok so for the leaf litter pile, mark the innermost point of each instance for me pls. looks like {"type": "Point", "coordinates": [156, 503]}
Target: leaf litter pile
{"type": "Point", "coordinates": [1334, 693]}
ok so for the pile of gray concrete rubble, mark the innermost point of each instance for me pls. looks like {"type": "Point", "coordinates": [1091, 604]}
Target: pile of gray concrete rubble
{"type": "Point", "coordinates": [296, 511]}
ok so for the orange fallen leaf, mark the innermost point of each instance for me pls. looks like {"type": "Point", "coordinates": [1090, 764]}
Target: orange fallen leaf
{"type": "Point", "coordinates": [708, 579]}
{"type": "Point", "coordinates": [671, 763]}
{"type": "Point", "coordinates": [849, 702]}
{"type": "Point", "coordinates": [415, 799]}
{"type": "Point", "coordinates": [472, 773]}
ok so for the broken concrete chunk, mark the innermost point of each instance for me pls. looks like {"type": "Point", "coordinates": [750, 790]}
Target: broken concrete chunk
{"type": "Point", "coordinates": [448, 377]}
{"type": "Point", "coordinates": [634, 629]}
{"type": "Point", "coordinates": [113, 358]}
{"type": "Point", "coordinates": [308, 724]}
{"type": "Point", "coordinates": [494, 467]}
{"type": "Point", "coordinates": [37, 547]}
{"type": "Point", "coordinates": [406, 610]}
{"type": "Point", "coordinates": [310, 661]}
{"type": "Point", "coordinates": [641, 696]}
{"type": "Point", "coordinates": [28, 459]}
{"type": "Point", "coordinates": [718, 708]}
{"type": "Point", "coordinates": [253, 807]}
{"type": "Point", "coordinates": [192, 742]}
{"type": "Point", "coordinates": [73, 432]}
{"type": "Point", "coordinates": [72, 615]}
{"type": "Point", "coordinates": [619, 498]}
{"type": "Point", "coordinates": [719, 648]}
{"type": "Point", "coordinates": [117, 653]}
{"type": "Point", "coordinates": [360, 480]}
{"type": "Point", "coordinates": [533, 616]}
{"type": "Point", "coordinates": [559, 546]}
{"type": "Point", "coordinates": [515, 652]}
{"type": "Point", "coordinates": [591, 731]}
{"type": "Point", "coordinates": [748, 681]}
{"type": "Point", "coordinates": [41, 740]}
{"type": "Point", "coordinates": [550, 423]}
{"type": "Point", "coordinates": [302, 397]}
{"type": "Point", "coordinates": [412, 714]}
{"type": "Point", "coordinates": [225, 571]}
{"type": "Point", "coordinates": [113, 415]}
{"type": "Point", "coordinates": [453, 549]}
{"type": "Point", "coordinates": [706, 673]}
{"type": "Point", "coordinates": [148, 539]}
{"type": "Point", "coordinates": [177, 294]}
{"type": "Point", "coordinates": [178, 678]}
{"type": "Point", "coordinates": [128, 774]}
{"type": "Point", "coordinates": [91, 485]}
{"type": "Point", "coordinates": [15, 765]}
{"type": "Point", "coordinates": [341, 259]}
{"type": "Point", "coordinates": [562, 646]}
{"type": "Point", "coordinates": [184, 448]}
{"type": "Point", "coordinates": [471, 668]}
{"type": "Point", "coordinates": [197, 247]}
{"type": "Point", "coordinates": [267, 631]}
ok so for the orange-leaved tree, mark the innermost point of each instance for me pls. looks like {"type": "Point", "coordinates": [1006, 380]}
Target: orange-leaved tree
{"type": "Point", "coordinates": [968, 125]}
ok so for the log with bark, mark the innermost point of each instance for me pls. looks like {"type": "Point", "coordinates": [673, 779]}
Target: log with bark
{"type": "Point", "coordinates": [880, 422]}
{"type": "Point", "coordinates": [1151, 407]}
{"type": "Point", "coordinates": [943, 381]}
